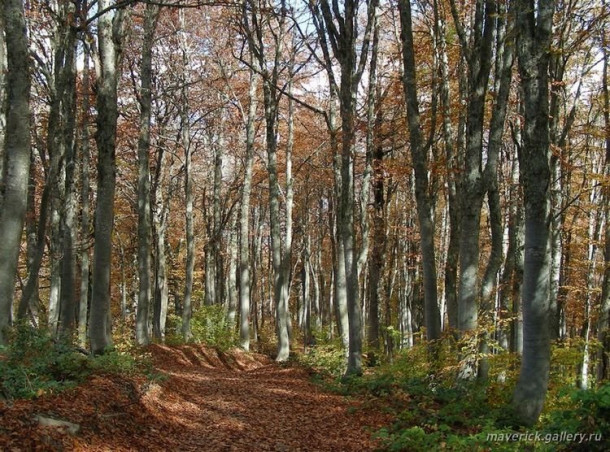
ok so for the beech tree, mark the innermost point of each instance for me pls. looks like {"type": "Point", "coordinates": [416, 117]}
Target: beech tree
{"type": "Point", "coordinates": [110, 33]}
{"type": "Point", "coordinates": [351, 167]}
{"type": "Point", "coordinates": [244, 217]}
{"type": "Point", "coordinates": [260, 26]}
{"type": "Point", "coordinates": [144, 211]}
{"type": "Point", "coordinates": [534, 33]}
{"type": "Point", "coordinates": [338, 32]}
{"type": "Point", "coordinates": [15, 154]}
{"type": "Point", "coordinates": [419, 151]}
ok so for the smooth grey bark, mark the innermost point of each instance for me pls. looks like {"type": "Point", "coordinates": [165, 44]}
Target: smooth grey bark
{"type": "Point", "coordinates": [110, 32]}
{"type": "Point", "coordinates": [505, 55]}
{"type": "Point", "coordinates": [232, 296]}
{"type": "Point", "coordinates": [534, 29]}
{"type": "Point", "coordinates": [594, 237]}
{"type": "Point", "coordinates": [419, 151]}
{"type": "Point", "coordinates": [289, 204]}
{"type": "Point", "coordinates": [504, 60]}
{"type": "Point", "coordinates": [511, 334]}
{"type": "Point", "coordinates": [340, 283]}
{"type": "Point", "coordinates": [123, 289]}
{"type": "Point", "coordinates": [55, 249]}
{"type": "Point", "coordinates": [35, 260]}
{"type": "Point", "coordinates": [477, 52]}
{"type": "Point", "coordinates": [65, 64]}
{"type": "Point", "coordinates": [162, 189]}
{"type": "Point", "coordinates": [244, 218]}
{"type": "Point", "coordinates": [218, 256]}
{"type": "Point", "coordinates": [211, 296]}
{"type": "Point", "coordinates": [16, 155]}
{"type": "Point", "coordinates": [31, 230]}
{"type": "Point", "coordinates": [185, 136]}
{"type": "Point", "coordinates": [318, 288]}
{"type": "Point", "coordinates": [306, 302]}
{"type": "Point", "coordinates": [144, 209]}
{"type": "Point", "coordinates": [453, 245]}
{"type": "Point", "coordinates": [85, 220]}
{"type": "Point", "coordinates": [257, 310]}
{"type": "Point", "coordinates": [269, 64]}
{"type": "Point", "coordinates": [214, 266]}
{"type": "Point", "coordinates": [340, 29]}
{"type": "Point", "coordinates": [374, 165]}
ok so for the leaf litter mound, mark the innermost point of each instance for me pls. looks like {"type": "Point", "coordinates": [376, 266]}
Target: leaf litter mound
{"type": "Point", "coordinates": [209, 400]}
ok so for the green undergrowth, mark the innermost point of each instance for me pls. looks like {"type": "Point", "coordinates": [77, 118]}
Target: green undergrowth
{"type": "Point", "coordinates": [34, 364]}
{"type": "Point", "coordinates": [209, 325]}
{"type": "Point", "coordinates": [434, 410]}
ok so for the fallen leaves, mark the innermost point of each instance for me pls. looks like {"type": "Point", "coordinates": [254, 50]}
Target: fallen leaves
{"type": "Point", "coordinates": [211, 401]}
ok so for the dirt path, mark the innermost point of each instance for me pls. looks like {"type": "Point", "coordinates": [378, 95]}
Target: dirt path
{"type": "Point", "coordinates": [211, 401]}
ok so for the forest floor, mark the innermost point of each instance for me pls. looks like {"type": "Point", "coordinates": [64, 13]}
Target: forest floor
{"type": "Point", "coordinates": [205, 400]}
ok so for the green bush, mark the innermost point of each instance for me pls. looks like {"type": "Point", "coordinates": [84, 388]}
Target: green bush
{"type": "Point", "coordinates": [589, 414]}
{"type": "Point", "coordinates": [209, 325]}
{"type": "Point", "coordinates": [33, 364]}
{"type": "Point", "coordinates": [327, 359]}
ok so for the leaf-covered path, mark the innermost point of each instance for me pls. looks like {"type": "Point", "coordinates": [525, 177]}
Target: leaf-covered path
{"type": "Point", "coordinates": [210, 401]}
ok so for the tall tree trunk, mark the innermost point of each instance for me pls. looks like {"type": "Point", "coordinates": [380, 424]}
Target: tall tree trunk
{"type": "Point", "coordinates": [68, 303]}
{"type": "Point", "coordinates": [374, 164]}
{"type": "Point", "coordinates": [16, 155]}
{"type": "Point", "coordinates": [160, 220]}
{"type": "Point", "coordinates": [55, 247]}
{"type": "Point", "coordinates": [477, 52]}
{"type": "Point", "coordinates": [274, 220]}
{"type": "Point", "coordinates": [216, 261]}
{"type": "Point", "coordinates": [289, 190]}
{"type": "Point", "coordinates": [31, 231]}
{"type": "Point", "coordinates": [503, 70]}
{"type": "Point", "coordinates": [85, 222]}
{"type": "Point", "coordinates": [511, 338]}
{"type": "Point", "coordinates": [244, 219]}
{"type": "Point", "coordinates": [340, 283]}
{"type": "Point", "coordinates": [268, 63]}
{"type": "Point", "coordinates": [594, 232]}
{"type": "Point", "coordinates": [30, 290]}
{"type": "Point", "coordinates": [534, 30]}
{"type": "Point", "coordinates": [419, 156]}
{"type": "Point", "coordinates": [109, 38]}
{"type": "Point", "coordinates": [144, 213]}
{"type": "Point", "coordinates": [341, 28]}
{"type": "Point", "coordinates": [453, 246]}
{"type": "Point", "coordinates": [232, 297]}
{"type": "Point", "coordinates": [185, 136]}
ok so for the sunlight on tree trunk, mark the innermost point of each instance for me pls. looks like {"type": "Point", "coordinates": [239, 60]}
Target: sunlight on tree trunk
{"type": "Point", "coordinates": [144, 214]}
{"type": "Point", "coordinates": [110, 35]}
{"type": "Point", "coordinates": [534, 25]}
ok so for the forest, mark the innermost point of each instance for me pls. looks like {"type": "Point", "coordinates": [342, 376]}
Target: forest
{"type": "Point", "coordinates": [406, 202]}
